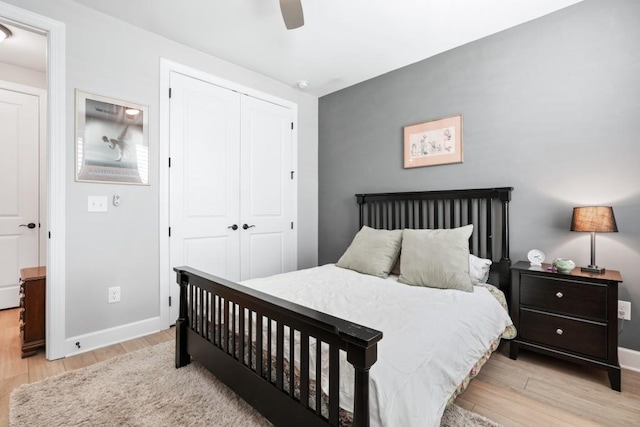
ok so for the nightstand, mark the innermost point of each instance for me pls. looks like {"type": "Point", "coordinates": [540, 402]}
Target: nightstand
{"type": "Point", "coordinates": [32, 315]}
{"type": "Point", "coordinates": [570, 316]}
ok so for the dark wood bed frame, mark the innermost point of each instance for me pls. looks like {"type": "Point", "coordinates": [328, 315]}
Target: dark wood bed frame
{"type": "Point", "coordinates": [218, 319]}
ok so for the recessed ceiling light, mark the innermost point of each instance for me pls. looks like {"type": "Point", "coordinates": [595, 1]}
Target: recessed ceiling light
{"type": "Point", "coordinates": [5, 33]}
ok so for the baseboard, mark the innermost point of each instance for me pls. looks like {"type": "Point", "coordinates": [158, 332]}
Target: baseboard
{"type": "Point", "coordinates": [629, 359]}
{"type": "Point", "coordinates": [106, 337]}
{"type": "Point", "coordinates": [9, 297]}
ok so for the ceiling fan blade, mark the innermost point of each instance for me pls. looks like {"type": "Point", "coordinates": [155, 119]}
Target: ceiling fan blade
{"type": "Point", "coordinates": [292, 13]}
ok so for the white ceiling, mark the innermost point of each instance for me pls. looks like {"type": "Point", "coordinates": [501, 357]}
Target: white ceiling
{"type": "Point", "coordinates": [343, 42]}
{"type": "Point", "coordinates": [24, 48]}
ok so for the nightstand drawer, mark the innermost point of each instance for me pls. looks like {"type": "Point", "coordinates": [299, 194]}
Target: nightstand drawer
{"type": "Point", "coordinates": [573, 335]}
{"type": "Point", "coordinates": [573, 298]}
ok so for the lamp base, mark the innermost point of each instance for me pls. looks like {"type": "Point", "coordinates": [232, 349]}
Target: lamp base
{"type": "Point", "coordinates": [592, 269]}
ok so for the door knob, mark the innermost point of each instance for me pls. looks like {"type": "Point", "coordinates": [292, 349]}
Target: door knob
{"type": "Point", "coordinates": [245, 226]}
{"type": "Point", "coordinates": [233, 227]}
{"type": "Point", "coordinates": [30, 225]}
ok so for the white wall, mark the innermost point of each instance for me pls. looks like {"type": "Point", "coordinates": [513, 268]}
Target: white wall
{"type": "Point", "coordinates": [120, 248]}
{"type": "Point", "coordinates": [23, 76]}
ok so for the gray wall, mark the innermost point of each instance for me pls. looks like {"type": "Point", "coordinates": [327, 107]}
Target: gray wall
{"type": "Point", "coordinates": [120, 248]}
{"type": "Point", "coordinates": [551, 107]}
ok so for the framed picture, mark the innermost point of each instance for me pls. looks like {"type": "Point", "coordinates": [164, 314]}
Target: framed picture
{"type": "Point", "coordinates": [112, 140]}
{"type": "Point", "coordinates": [436, 142]}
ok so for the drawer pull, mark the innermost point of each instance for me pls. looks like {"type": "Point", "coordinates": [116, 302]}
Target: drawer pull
{"type": "Point", "coordinates": [559, 331]}
{"type": "Point", "coordinates": [559, 295]}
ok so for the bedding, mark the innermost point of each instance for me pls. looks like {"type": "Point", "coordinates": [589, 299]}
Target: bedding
{"type": "Point", "coordinates": [437, 258]}
{"type": "Point", "coordinates": [433, 338]}
{"type": "Point", "coordinates": [479, 269]}
{"type": "Point", "coordinates": [372, 251]}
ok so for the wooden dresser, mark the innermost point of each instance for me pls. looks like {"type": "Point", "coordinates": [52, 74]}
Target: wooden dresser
{"type": "Point", "coordinates": [571, 316]}
{"type": "Point", "coordinates": [32, 313]}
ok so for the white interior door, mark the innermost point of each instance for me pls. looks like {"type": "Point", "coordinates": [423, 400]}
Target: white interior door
{"type": "Point", "coordinates": [268, 246]}
{"type": "Point", "coordinates": [203, 179]}
{"type": "Point", "coordinates": [19, 193]}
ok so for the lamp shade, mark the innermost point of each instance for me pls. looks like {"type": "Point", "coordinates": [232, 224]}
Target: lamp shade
{"type": "Point", "coordinates": [598, 219]}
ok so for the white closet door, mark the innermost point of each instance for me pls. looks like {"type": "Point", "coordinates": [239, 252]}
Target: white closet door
{"type": "Point", "coordinates": [19, 166]}
{"type": "Point", "coordinates": [268, 246]}
{"type": "Point", "coordinates": [204, 180]}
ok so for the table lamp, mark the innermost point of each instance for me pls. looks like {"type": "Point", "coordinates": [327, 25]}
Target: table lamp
{"type": "Point", "coordinates": [594, 219]}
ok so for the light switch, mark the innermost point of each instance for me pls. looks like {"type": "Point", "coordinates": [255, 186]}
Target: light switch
{"type": "Point", "coordinates": [97, 204]}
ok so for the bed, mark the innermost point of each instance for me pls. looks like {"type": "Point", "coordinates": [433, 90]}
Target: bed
{"type": "Point", "coordinates": [299, 361]}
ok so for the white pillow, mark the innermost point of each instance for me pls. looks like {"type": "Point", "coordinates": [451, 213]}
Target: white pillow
{"type": "Point", "coordinates": [479, 269]}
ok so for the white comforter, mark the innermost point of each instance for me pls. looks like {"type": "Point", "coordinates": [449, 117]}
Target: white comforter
{"type": "Point", "coordinates": [431, 337]}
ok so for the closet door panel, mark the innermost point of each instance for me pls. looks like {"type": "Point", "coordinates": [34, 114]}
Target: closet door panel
{"type": "Point", "coordinates": [268, 245]}
{"type": "Point", "coordinates": [267, 251]}
{"type": "Point", "coordinates": [204, 179]}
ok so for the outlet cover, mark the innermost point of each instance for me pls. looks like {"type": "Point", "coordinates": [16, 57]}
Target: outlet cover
{"type": "Point", "coordinates": [114, 294]}
{"type": "Point", "coordinates": [624, 310]}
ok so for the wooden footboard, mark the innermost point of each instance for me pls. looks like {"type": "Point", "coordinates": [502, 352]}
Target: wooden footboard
{"type": "Point", "coordinates": [228, 328]}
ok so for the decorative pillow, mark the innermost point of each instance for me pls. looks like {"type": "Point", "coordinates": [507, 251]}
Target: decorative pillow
{"type": "Point", "coordinates": [479, 269]}
{"type": "Point", "coordinates": [436, 258]}
{"type": "Point", "coordinates": [372, 252]}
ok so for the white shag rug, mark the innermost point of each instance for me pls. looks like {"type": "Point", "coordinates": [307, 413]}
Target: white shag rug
{"type": "Point", "coordinates": [143, 389]}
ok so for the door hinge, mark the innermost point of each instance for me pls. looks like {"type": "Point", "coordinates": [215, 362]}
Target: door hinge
{"type": "Point", "coordinates": [169, 161]}
{"type": "Point", "coordinates": [49, 234]}
{"type": "Point", "coordinates": [291, 125]}
{"type": "Point", "coordinates": [169, 301]}
{"type": "Point", "coordinates": [292, 225]}
{"type": "Point", "coordinates": [292, 172]}
{"type": "Point", "coordinates": [169, 92]}
{"type": "Point", "coordinates": [169, 231]}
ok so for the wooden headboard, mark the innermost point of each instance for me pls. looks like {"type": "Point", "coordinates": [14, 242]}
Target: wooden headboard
{"type": "Point", "coordinates": [486, 208]}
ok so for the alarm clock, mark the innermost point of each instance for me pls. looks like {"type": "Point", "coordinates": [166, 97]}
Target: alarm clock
{"type": "Point", "coordinates": [536, 257]}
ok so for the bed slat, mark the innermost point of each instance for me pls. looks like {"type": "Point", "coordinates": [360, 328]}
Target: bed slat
{"type": "Point", "coordinates": [334, 385]}
{"type": "Point", "coordinates": [280, 356]}
{"type": "Point", "coordinates": [304, 368]}
{"type": "Point", "coordinates": [318, 376]}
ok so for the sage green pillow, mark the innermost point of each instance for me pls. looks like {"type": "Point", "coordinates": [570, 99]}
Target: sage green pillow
{"type": "Point", "coordinates": [436, 258]}
{"type": "Point", "coordinates": [372, 252]}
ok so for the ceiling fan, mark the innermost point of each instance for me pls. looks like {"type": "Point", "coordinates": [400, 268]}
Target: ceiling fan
{"type": "Point", "coordinates": [292, 13]}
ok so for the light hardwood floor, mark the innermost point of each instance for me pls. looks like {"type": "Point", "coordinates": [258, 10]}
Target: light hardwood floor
{"type": "Point", "coordinates": [15, 371]}
{"type": "Point", "coordinates": [533, 391]}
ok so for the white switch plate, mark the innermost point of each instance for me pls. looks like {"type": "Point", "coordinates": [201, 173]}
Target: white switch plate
{"type": "Point", "coordinates": [97, 204]}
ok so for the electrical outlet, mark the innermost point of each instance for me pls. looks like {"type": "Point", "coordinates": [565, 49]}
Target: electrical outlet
{"type": "Point", "coordinates": [624, 310]}
{"type": "Point", "coordinates": [114, 294]}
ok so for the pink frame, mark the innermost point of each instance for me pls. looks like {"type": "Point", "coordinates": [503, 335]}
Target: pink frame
{"type": "Point", "coordinates": [436, 142]}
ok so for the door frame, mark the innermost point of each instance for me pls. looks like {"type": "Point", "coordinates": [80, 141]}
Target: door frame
{"type": "Point", "coordinates": [55, 164]}
{"type": "Point", "coordinates": [168, 66]}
